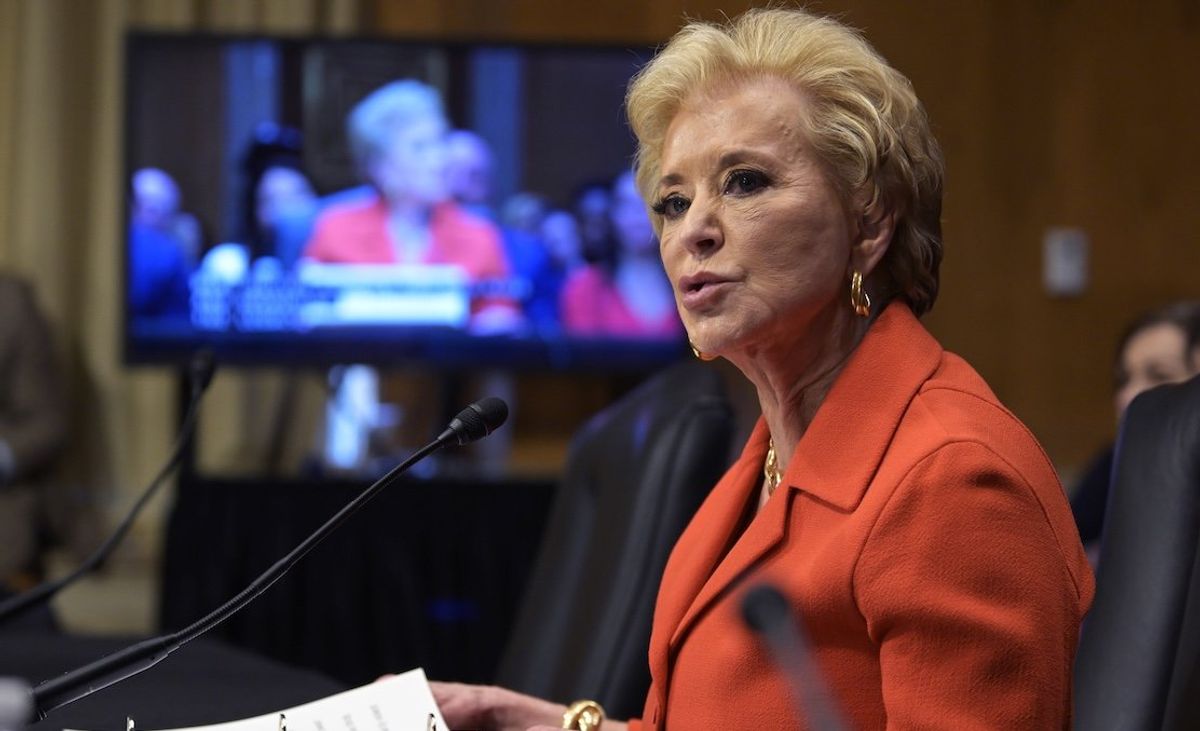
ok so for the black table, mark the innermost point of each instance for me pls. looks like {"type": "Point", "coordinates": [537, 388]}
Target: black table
{"type": "Point", "coordinates": [429, 574]}
{"type": "Point", "coordinates": [201, 683]}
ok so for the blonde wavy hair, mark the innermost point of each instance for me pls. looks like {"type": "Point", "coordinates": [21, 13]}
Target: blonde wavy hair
{"type": "Point", "coordinates": [390, 108]}
{"type": "Point", "coordinates": [865, 123]}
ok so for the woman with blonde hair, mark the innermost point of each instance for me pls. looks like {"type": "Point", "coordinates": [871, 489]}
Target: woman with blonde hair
{"type": "Point", "coordinates": [907, 517]}
{"type": "Point", "coordinates": [397, 135]}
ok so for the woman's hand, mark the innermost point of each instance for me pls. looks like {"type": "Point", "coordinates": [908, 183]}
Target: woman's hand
{"type": "Point", "coordinates": [490, 708]}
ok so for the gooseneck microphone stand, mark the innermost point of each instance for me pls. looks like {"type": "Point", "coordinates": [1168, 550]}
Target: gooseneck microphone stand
{"type": "Point", "coordinates": [201, 369]}
{"type": "Point", "coordinates": [472, 423]}
{"type": "Point", "coordinates": [766, 612]}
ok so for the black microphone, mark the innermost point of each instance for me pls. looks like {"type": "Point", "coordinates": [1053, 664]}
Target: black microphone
{"type": "Point", "coordinates": [476, 421]}
{"type": "Point", "coordinates": [472, 423]}
{"type": "Point", "coordinates": [200, 374]}
{"type": "Point", "coordinates": [766, 611]}
{"type": "Point", "coordinates": [201, 368]}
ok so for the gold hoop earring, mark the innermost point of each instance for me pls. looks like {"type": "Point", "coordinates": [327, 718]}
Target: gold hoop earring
{"type": "Point", "coordinates": [700, 354]}
{"type": "Point", "coordinates": [860, 301]}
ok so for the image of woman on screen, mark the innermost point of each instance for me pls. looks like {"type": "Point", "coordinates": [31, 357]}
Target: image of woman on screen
{"type": "Point", "coordinates": [397, 136]}
{"type": "Point", "coordinates": [624, 291]}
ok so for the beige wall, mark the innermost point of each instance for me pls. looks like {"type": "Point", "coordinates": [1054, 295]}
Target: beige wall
{"type": "Point", "coordinates": [60, 213]}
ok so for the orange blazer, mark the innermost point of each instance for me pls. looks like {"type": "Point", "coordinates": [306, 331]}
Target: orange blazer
{"type": "Point", "coordinates": [923, 536]}
{"type": "Point", "coordinates": [356, 232]}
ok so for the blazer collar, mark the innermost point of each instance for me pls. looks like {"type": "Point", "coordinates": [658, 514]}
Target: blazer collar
{"type": "Point", "coordinates": [843, 446]}
{"type": "Point", "coordinates": [699, 567]}
{"type": "Point", "coordinates": [834, 462]}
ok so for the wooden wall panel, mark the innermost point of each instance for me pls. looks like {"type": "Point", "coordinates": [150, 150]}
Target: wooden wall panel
{"type": "Point", "coordinates": [1051, 112]}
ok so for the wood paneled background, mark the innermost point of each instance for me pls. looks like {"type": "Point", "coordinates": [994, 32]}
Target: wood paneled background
{"type": "Point", "coordinates": [1051, 113]}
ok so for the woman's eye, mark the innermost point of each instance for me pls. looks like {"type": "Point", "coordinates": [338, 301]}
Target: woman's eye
{"type": "Point", "coordinates": [744, 182]}
{"type": "Point", "coordinates": [673, 206]}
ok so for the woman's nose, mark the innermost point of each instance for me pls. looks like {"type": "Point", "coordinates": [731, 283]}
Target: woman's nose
{"type": "Point", "coordinates": [702, 234]}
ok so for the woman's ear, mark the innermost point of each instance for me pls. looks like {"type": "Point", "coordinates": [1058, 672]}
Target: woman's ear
{"type": "Point", "coordinates": [876, 226]}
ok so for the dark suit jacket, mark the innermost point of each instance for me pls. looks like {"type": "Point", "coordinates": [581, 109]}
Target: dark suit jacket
{"type": "Point", "coordinates": [32, 420]}
{"type": "Point", "coordinates": [923, 536]}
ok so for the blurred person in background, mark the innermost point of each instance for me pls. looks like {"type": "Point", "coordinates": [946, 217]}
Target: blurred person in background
{"type": "Point", "coordinates": [521, 217]}
{"type": "Point", "coordinates": [280, 203]}
{"type": "Point", "coordinates": [397, 136]}
{"type": "Point", "coordinates": [624, 293]}
{"type": "Point", "coordinates": [33, 430]}
{"type": "Point", "coordinates": [158, 205]}
{"type": "Point", "coordinates": [523, 212]}
{"type": "Point", "coordinates": [1194, 345]}
{"type": "Point", "coordinates": [1152, 351]}
{"type": "Point", "coordinates": [469, 167]}
{"type": "Point", "coordinates": [469, 172]}
{"type": "Point", "coordinates": [592, 206]}
{"type": "Point", "coordinates": [163, 246]}
{"type": "Point", "coordinates": [285, 209]}
{"type": "Point", "coordinates": [563, 245]}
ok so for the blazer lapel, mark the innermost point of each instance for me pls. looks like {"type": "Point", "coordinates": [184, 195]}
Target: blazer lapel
{"type": "Point", "coordinates": [700, 549]}
{"type": "Point", "coordinates": [834, 463]}
{"type": "Point", "coordinates": [837, 457]}
{"type": "Point", "coordinates": [764, 533]}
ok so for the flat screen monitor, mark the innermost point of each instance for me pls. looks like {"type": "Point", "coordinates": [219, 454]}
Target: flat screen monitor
{"type": "Point", "coordinates": [321, 201]}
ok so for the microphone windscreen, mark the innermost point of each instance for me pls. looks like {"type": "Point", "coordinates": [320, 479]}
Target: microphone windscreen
{"type": "Point", "coordinates": [764, 609]}
{"type": "Point", "coordinates": [201, 369]}
{"type": "Point", "coordinates": [477, 420]}
{"type": "Point", "coordinates": [493, 411]}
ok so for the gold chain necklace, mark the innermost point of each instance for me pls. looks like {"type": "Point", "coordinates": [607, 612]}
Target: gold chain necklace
{"type": "Point", "coordinates": [771, 476]}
